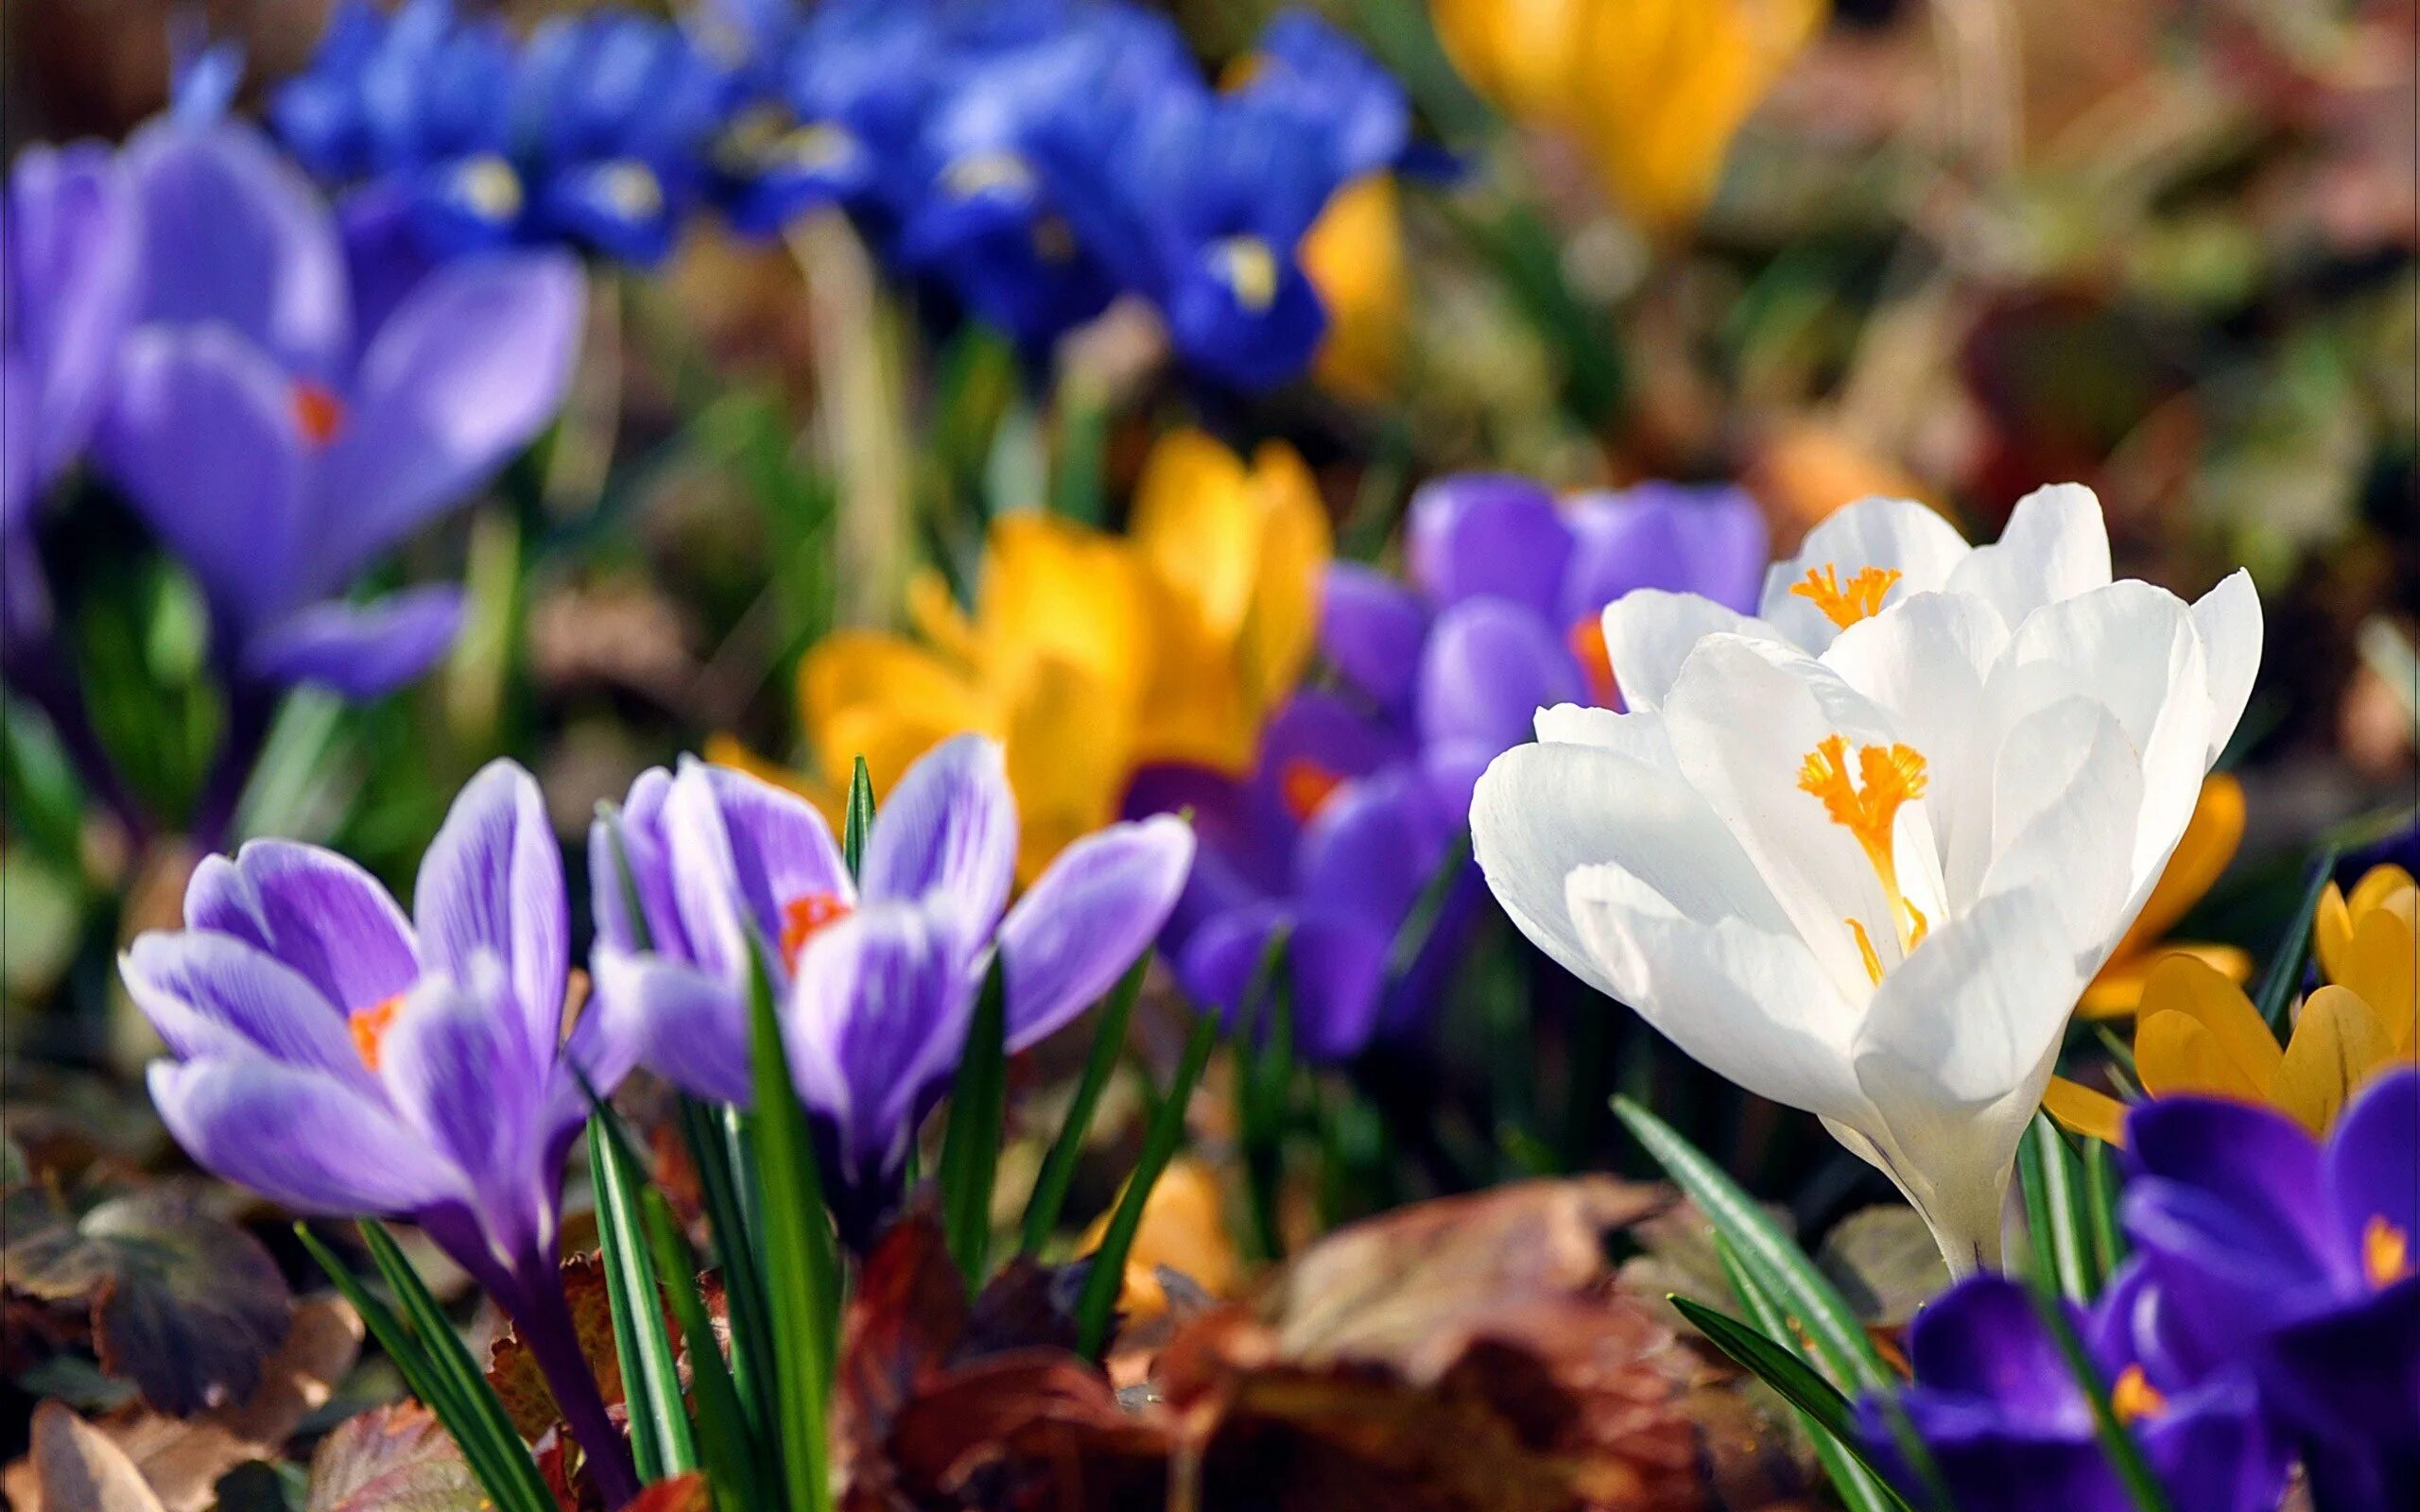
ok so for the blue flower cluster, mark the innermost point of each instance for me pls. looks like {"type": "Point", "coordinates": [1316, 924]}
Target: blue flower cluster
{"type": "Point", "coordinates": [1031, 160]}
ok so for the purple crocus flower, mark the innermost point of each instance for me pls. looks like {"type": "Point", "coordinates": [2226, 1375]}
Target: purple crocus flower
{"type": "Point", "coordinates": [2260, 1247]}
{"type": "Point", "coordinates": [1360, 792]}
{"type": "Point", "coordinates": [2010, 1430]}
{"type": "Point", "coordinates": [339, 1058]}
{"type": "Point", "coordinates": [877, 977]}
{"type": "Point", "coordinates": [69, 248]}
{"type": "Point", "coordinates": [277, 443]}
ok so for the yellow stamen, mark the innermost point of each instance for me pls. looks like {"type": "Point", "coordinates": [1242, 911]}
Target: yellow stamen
{"type": "Point", "coordinates": [805, 916]}
{"type": "Point", "coordinates": [2135, 1398]}
{"type": "Point", "coordinates": [1250, 269]}
{"type": "Point", "coordinates": [1868, 807]}
{"type": "Point", "coordinates": [2386, 1253]}
{"type": "Point", "coordinates": [369, 1027]}
{"type": "Point", "coordinates": [1846, 604]}
{"type": "Point", "coordinates": [489, 187]}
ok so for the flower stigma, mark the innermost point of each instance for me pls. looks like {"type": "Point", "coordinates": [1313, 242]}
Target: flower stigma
{"type": "Point", "coordinates": [1868, 806]}
{"type": "Point", "coordinates": [1844, 603]}
{"type": "Point", "coordinates": [369, 1027]}
{"type": "Point", "coordinates": [2135, 1398]}
{"type": "Point", "coordinates": [805, 916]}
{"type": "Point", "coordinates": [2386, 1253]}
{"type": "Point", "coordinates": [1587, 641]}
{"type": "Point", "coordinates": [1306, 787]}
{"type": "Point", "coordinates": [318, 412]}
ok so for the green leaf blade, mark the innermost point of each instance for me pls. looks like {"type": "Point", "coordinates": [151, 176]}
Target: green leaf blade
{"type": "Point", "coordinates": [970, 1148]}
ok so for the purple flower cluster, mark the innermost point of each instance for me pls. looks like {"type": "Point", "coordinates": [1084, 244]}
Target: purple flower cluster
{"type": "Point", "coordinates": [1362, 787]}
{"type": "Point", "coordinates": [877, 975]}
{"type": "Point", "coordinates": [2271, 1313]}
{"type": "Point", "coordinates": [341, 1059]}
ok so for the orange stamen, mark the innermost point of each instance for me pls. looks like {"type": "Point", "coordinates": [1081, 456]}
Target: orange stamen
{"type": "Point", "coordinates": [1861, 598]}
{"type": "Point", "coordinates": [1305, 786]}
{"type": "Point", "coordinates": [805, 916]}
{"type": "Point", "coordinates": [1596, 660]}
{"type": "Point", "coordinates": [369, 1027]}
{"type": "Point", "coordinates": [1868, 807]}
{"type": "Point", "coordinates": [2386, 1253]}
{"type": "Point", "coordinates": [2135, 1398]}
{"type": "Point", "coordinates": [318, 412]}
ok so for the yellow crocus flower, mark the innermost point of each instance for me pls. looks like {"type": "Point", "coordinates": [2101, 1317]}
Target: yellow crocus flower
{"type": "Point", "coordinates": [1089, 655]}
{"type": "Point", "coordinates": [1652, 91]}
{"type": "Point", "coordinates": [2199, 1033]}
{"type": "Point", "coordinates": [1354, 256]}
{"type": "Point", "coordinates": [2209, 843]}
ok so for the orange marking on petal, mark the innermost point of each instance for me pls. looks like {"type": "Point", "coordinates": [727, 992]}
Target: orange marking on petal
{"type": "Point", "coordinates": [1305, 786]}
{"type": "Point", "coordinates": [1844, 603]}
{"type": "Point", "coordinates": [2135, 1398]}
{"type": "Point", "coordinates": [2386, 1253]}
{"type": "Point", "coordinates": [318, 412]}
{"type": "Point", "coordinates": [369, 1027]}
{"type": "Point", "coordinates": [1596, 660]}
{"type": "Point", "coordinates": [803, 918]}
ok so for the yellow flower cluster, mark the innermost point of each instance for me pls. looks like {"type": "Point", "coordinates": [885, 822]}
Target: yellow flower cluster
{"type": "Point", "coordinates": [2198, 1033]}
{"type": "Point", "coordinates": [1652, 91]}
{"type": "Point", "coordinates": [1090, 655]}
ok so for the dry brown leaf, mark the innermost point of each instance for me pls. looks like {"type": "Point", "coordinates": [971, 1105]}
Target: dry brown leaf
{"type": "Point", "coordinates": [515, 1375]}
{"type": "Point", "coordinates": [76, 1467]}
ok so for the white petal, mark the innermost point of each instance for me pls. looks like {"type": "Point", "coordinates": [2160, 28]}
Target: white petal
{"type": "Point", "coordinates": [2133, 648]}
{"type": "Point", "coordinates": [1898, 534]}
{"type": "Point", "coordinates": [1925, 660]}
{"type": "Point", "coordinates": [1638, 737]}
{"type": "Point", "coordinates": [1749, 1003]}
{"type": "Point", "coordinates": [1955, 1053]}
{"type": "Point", "coordinates": [2056, 546]}
{"type": "Point", "coordinates": [1544, 812]}
{"type": "Point", "coordinates": [1743, 718]}
{"type": "Point", "coordinates": [1651, 631]}
{"type": "Point", "coordinates": [2066, 793]}
{"type": "Point", "coordinates": [2229, 622]}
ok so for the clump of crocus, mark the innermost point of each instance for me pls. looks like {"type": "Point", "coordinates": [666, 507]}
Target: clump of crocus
{"type": "Point", "coordinates": [875, 976]}
{"type": "Point", "coordinates": [1360, 791]}
{"type": "Point", "coordinates": [2270, 1312]}
{"type": "Point", "coordinates": [1862, 852]}
{"type": "Point", "coordinates": [1090, 655]}
{"type": "Point", "coordinates": [342, 1060]}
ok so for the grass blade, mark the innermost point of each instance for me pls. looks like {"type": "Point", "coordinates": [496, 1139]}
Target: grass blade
{"type": "Point", "coordinates": [1264, 1088]}
{"type": "Point", "coordinates": [503, 1468]}
{"type": "Point", "coordinates": [802, 1272]}
{"type": "Point", "coordinates": [859, 824]}
{"type": "Point", "coordinates": [660, 1434]}
{"type": "Point", "coordinates": [1057, 1172]}
{"type": "Point", "coordinates": [1106, 1275]}
{"type": "Point", "coordinates": [978, 1099]}
{"type": "Point", "coordinates": [1807, 1299]}
{"type": "Point", "coordinates": [743, 1284]}
{"type": "Point", "coordinates": [2100, 1185]}
{"type": "Point", "coordinates": [2125, 1456]}
{"type": "Point", "coordinates": [2054, 1216]}
{"type": "Point", "coordinates": [2293, 952]}
{"type": "Point", "coordinates": [1818, 1404]}
{"type": "Point", "coordinates": [727, 1447]}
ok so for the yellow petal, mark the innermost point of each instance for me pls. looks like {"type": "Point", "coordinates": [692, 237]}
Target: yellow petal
{"type": "Point", "coordinates": [1070, 749]}
{"type": "Point", "coordinates": [1295, 545]}
{"type": "Point", "coordinates": [852, 680]}
{"type": "Point", "coordinates": [2230, 1050]}
{"type": "Point", "coordinates": [2380, 966]}
{"type": "Point", "coordinates": [933, 610]}
{"type": "Point", "coordinates": [1183, 1229]}
{"type": "Point", "coordinates": [2331, 932]}
{"type": "Point", "coordinates": [2339, 1044]}
{"type": "Point", "coordinates": [1354, 256]}
{"type": "Point", "coordinates": [2082, 1110]}
{"type": "Point", "coordinates": [2208, 843]}
{"type": "Point", "coordinates": [1053, 589]}
{"type": "Point", "coordinates": [2117, 992]}
{"type": "Point", "coordinates": [1515, 52]}
{"type": "Point", "coordinates": [1197, 522]}
{"type": "Point", "coordinates": [2379, 886]}
{"type": "Point", "coordinates": [1197, 711]}
{"type": "Point", "coordinates": [1660, 88]}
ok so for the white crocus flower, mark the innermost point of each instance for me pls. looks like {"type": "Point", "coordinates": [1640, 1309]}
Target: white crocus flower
{"type": "Point", "coordinates": [1862, 859]}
